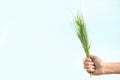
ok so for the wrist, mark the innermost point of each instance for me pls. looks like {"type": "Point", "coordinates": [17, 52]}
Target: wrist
{"type": "Point", "coordinates": [103, 69]}
{"type": "Point", "coordinates": [108, 68]}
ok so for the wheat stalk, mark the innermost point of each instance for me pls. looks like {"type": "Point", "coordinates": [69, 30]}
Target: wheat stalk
{"type": "Point", "coordinates": [82, 34]}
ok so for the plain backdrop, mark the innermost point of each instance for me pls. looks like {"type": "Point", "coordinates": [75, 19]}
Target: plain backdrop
{"type": "Point", "coordinates": [38, 40]}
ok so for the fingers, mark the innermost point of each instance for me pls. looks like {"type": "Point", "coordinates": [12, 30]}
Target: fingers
{"type": "Point", "coordinates": [89, 65]}
{"type": "Point", "coordinates": [86, 61]}
{"type": "Point", "coordinates": [90, 70]}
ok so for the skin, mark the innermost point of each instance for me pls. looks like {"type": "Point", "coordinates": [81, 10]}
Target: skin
{"type": "Point", "coordinates": [98, 67]}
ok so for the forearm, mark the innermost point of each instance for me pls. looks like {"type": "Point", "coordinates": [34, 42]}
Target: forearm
{"type": "Point", "coordinates": [112, 68]}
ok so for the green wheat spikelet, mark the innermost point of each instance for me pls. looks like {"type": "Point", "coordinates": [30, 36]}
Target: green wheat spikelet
{"type": "Point", "coordinates": [82, 34]}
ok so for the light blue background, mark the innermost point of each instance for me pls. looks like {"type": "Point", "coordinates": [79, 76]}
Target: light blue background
{"type": "Point", "coordinates": [38, 41]}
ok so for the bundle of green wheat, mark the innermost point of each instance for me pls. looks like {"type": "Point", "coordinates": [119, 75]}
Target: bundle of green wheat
{"type": "Point", "coordinates": [82, 33]}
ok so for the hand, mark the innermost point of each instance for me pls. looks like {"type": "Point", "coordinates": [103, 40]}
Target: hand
{"type": "Point", "coordinates": [94, 64]}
